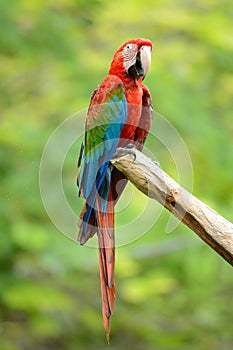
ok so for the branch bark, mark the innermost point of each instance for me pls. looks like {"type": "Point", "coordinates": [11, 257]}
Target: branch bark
{"type": "Point", "coordinates": [149, 178]}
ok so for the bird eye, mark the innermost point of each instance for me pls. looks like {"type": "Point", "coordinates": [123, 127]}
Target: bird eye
{"type": "Point", "coordinates": [128, 47]}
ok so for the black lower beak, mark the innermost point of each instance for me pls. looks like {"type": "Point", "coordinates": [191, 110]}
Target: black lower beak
{"type": "Point", "coordinates": [136, 70]}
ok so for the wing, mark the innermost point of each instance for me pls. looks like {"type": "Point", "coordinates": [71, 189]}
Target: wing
{"type": "Point", "coordinates": [144, 126]}
{"type": "Point", "coordinates": [106, 116]}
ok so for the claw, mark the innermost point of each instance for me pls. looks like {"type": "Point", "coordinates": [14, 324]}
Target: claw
{"type": "Point", "coordinates": [123, 151]}
{"type": "Point", "coordinates": [130, 146]}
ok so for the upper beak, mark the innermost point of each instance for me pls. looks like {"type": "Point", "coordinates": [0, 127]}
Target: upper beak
{"type": "Point", "coordinates": [145, 53]}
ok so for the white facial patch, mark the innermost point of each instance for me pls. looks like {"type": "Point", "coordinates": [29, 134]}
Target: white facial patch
{"type": "Point", "coordinates": [129, 54]}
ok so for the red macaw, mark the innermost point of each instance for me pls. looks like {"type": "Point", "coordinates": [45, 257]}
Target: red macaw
{"type": "Point", "coordinates": [119, 115]}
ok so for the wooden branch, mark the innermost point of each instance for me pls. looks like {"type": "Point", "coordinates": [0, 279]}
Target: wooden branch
{"type": "Point", "coordinates": [149, 178]}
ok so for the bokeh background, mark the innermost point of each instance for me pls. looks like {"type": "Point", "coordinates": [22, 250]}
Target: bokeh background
{"type": "Point", "coordinates": [173, 291]}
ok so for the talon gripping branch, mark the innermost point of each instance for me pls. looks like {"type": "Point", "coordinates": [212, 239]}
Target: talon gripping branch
{"type": "Point", "coordinates": [120, 113]}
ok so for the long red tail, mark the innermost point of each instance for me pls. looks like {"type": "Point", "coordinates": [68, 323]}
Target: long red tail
{"type": "Point", "coordinates": [106, 259]}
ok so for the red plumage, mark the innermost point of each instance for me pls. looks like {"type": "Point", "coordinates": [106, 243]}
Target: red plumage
{"type": "Point", "coordinates": [129, 66]}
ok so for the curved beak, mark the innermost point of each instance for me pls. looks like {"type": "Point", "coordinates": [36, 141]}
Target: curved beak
{"type": "Point", "coordinates": [139, 65]}
{"type": "Point", "coordinates": [145, 53]}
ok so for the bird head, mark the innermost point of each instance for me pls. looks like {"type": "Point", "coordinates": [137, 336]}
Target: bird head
{"type": "Point", "coordinates": [132, 59]}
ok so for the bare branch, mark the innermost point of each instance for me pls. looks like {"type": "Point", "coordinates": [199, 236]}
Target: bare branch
{"type": "Point", "coordinates": [149, 178]}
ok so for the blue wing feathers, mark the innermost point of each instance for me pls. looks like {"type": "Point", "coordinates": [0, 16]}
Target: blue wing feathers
{"type": "Point", "coordinates": [105, 121]}
{"type": "Point", "coordinates": [108, 128]}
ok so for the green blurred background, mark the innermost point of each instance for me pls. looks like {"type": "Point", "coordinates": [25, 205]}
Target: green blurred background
{"type": "Point", "coordinates": [173, 291]}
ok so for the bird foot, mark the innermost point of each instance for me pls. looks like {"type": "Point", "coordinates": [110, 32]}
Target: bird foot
{"type": "Point", "coordinates": [130, 146]}
{"type": "Point", "coordinates": [123, 151]}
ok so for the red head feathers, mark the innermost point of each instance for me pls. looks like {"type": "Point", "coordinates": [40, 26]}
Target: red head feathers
{"type": "Point", "coordinates": [132, 59]}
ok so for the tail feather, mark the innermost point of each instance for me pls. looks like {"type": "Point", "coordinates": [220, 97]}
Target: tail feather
{"type": "Point", "coordinates": [86, 224]}
{"type": "Point", "coordinates": [108, 295]}
{"type": "Point", "coordinates": [101, 220]}
{"type": "Point", "coordinates": [107, 259]}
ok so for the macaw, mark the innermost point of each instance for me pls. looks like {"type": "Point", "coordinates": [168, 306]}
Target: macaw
{"type": "Point", "coordinates": [119, 116]}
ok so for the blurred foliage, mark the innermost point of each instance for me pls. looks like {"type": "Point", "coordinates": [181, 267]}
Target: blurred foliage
{"type": "Point", "coordinates": [173, 292]}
